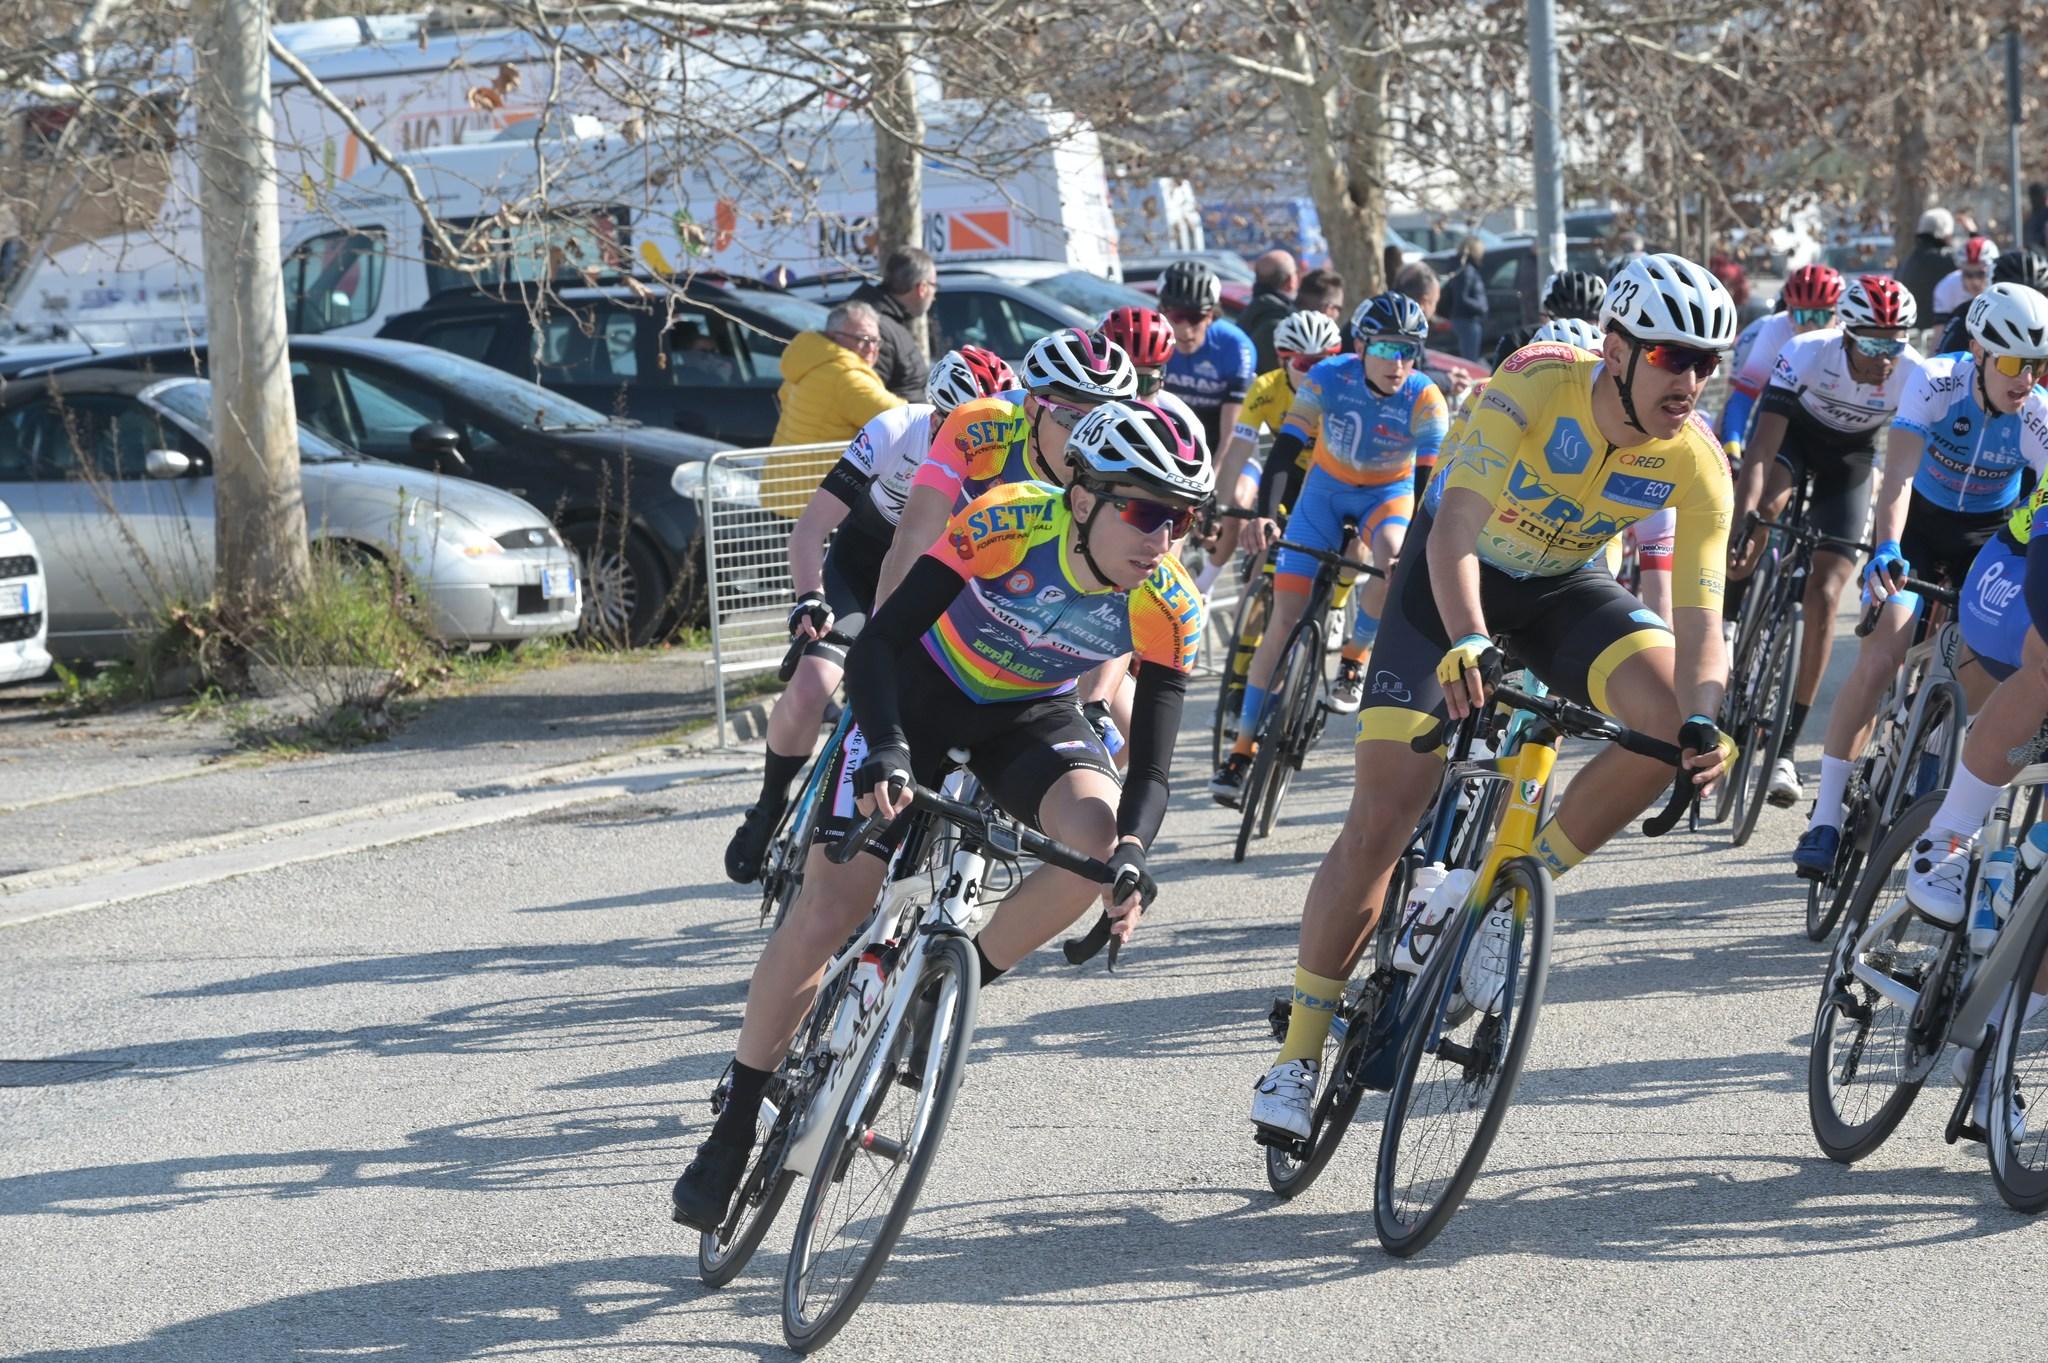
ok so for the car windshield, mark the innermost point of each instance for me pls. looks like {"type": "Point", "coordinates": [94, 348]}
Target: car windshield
{"type": "Point", "coordinates": [514, 399]}
{"type": "Point", "coordinates": [1091, 294]}
{"type": "Point", "coordinates": [798, 314]}
{"type": "Point", "coordinates": [192, 402]}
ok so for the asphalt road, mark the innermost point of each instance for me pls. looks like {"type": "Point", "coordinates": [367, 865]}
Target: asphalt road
{"type": "Point", "coordinates": [423, 1102]}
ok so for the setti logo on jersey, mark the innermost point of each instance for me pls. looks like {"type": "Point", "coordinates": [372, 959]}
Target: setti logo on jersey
{"type": "Point", "coordinates": [1013, 518]}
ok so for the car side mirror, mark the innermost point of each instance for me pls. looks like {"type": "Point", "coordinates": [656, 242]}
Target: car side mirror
{"type": "Point", "coordinates": [166, 464]}
{"type": "Point", "coordinates": [436, 440]}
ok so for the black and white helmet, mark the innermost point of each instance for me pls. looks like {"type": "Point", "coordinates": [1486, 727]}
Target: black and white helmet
{"type": "Point", "coordinates": [1079, 366]}
{"type": "Point", "coordinates": [1143, 447]}
{"type": "Point", "coordinates": [1307, 333]}
{"type": "Point", "coordinates": [1668, 298]}
{"type": "Point", "coordinates": [1190, 284]}
{"type": "Point", "coordinates": [1574, 293]}
{"type": "Point", "coordinates": [2010, 319]}
{"type": "Point", "coordinates": [1571, 331]}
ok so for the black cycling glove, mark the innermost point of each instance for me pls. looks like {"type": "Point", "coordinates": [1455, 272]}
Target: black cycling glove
{"type": "Point", "coordinates": [810, 606]}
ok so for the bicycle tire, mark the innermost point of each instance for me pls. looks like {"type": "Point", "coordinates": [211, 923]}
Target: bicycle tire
{"type": "Point", "coordinates": [1769, 720]}
{"type": "Point", "coordinates": [1842, 1139]}
{"type": "Point", "coordinates": [1916, 776]}
{"type": "Point", "coordinates": [1230, 690]}
{"type": "Point", "coordinates": [1406, 1237]}
{"type": "Point", "coordinates": [2019, 1168]}
{"type": "Point", "coordinates": [1301, 704]}
{"type": "Point", "coordinates": [947, 956]}
{"type": "Point", "coordinates": [719, 1264]}
{"type": "Point", "coordinates": [1826, 899]}
{"type": "Point", "coordinates": [782, 870]}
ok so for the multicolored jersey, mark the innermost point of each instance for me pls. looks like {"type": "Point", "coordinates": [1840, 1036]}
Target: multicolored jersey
{"type": "Point", "coordinates": [1756, 350]}
{"type": "Point", "coordinates": [1365, 438]}
{"type": "Point", "coordinates": [1811, 379]}
{"type": "Point", "coordinates": [1265, 409]}
{"type": "Point", "coordinates": [1973, 460]}
{"type": "Point", "coordinates": [979, 445]}
{"type": "Point", "coordinates": [1023, 626]}
{"type": "Point", "coordinates": [1531, 449]}
{"type": "Point", "coordinates": [1221, 370]}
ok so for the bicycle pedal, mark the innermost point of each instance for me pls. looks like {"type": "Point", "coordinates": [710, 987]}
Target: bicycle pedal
{"type": "Point", "coordinates": [1284, 1141]}
{"type": "Point", "coordinates": [1277, 1018]}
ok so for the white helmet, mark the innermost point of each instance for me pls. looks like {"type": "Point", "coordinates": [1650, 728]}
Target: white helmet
{"type": "Point", "coordinates": [1080, 366]}
{"type": "Point", "coordinates": [1668, 298]}
{"type": "Point", "coordinates": [966, 374]}
{"type": "Point", "coordinates": [2010, 319]}
{"type": "Point", "coordinates": [1307, 333]}
{"type": "Point", "coordinates": [1569, 330]}
{"type": "Point", "coordinates": [1143, 447]}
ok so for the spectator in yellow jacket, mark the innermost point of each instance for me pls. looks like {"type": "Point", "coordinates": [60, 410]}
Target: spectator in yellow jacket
{"type": "Point", "coordinates": [829, 391]}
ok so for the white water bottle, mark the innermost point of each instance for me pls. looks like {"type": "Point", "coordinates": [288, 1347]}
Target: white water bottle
{"type": "Point", "coordinates": [1994, 899]}
{"type": "Point", "coordinates": [863, 995]}
{"type": "Point", "coordinates": [1435, 893]}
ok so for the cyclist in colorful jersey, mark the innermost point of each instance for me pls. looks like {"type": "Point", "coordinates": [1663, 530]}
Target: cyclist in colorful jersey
{"type": "Point", "coordinates": [1831, 391]}
{"type": "Point", "coordinates": [1380, 420]}
{"type": "Point", "coordinates": [1806, 303]}
{"type": "Point", "coordinates": [1030, 586]}
{"type": "Point", "coordinates": [1012, 437]}
{"type": "Point", "coordinates": [1972, 275]}
{"type": "Point", "coordinates": [2014, 267]}
{"type": "Point", "coordinates": [861, 499]}
{"type": "Point", "coordinates": [1213, 362]}
{"type": "Point", "coordinates": [1965, 430]}
{"type": "Point", "coordinates": [1565, 451]}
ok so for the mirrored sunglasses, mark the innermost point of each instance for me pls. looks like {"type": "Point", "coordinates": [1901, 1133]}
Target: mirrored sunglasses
{"type": "Point", "coordinates": [1680, 359]}
{"type": "Point", "coordinates": [1879, 347]}
{"type": "Point", "coordinates": [1384, 349]}
{"type": "Point", "coordinates": [1812, 317]}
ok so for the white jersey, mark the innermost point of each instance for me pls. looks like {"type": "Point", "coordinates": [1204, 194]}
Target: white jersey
{"type": "Point", "coordinates": [1814, 370]}
{"type": "Point", "coordinates": [889, 451]}
{"type": "Point", "coordinates": [1755, 369]}
{"type": "Point", "coordinates": [1949, 295]}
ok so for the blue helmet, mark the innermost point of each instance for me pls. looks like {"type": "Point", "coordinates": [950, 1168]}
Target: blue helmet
{"type": "Point", "coordinates": [1390, 314]}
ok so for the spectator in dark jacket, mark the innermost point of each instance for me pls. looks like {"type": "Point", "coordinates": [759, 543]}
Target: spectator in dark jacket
{"type": "Point", "coordinates": [1468, 306]}
{"type": "Point", "coordinates": [1273, 288]}
{"type": "Point", "coordinates": [909, 283]}
{"type": "Point", "coordinates": [1930, 261]}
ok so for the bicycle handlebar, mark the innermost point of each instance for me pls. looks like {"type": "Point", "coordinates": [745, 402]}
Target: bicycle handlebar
{"type": "Point", "coordinates": [1578, 721]}
{"type": "Point", "coordinates": [1330, 556]}
{"type": "Point", "coordinates": [1933, 591]}
{"type": "Point", "coordinates": [1801, 531]}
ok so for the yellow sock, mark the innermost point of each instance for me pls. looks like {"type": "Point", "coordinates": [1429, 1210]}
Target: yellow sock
{"type": "Point", "coordinates": [1555, 850]}
{"type": "Point", "coordinates": [1308, 1022]}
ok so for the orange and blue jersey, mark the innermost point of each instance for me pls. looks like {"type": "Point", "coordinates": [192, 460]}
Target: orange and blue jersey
{"type": "Point", "coordinates": [980, 445]}
{"type": "Point", "coordinates": [1367, 439]}
{"type": "Point", "coordinates": [1023, 626]}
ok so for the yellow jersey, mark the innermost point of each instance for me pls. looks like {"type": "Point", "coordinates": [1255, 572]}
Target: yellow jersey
{"type": "Point", "coordinates": [1532, 449]}
{"type": "Point", "coordinates": [1266, 404]}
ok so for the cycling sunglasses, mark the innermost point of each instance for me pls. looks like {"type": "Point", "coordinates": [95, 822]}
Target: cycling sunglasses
{"type": "Point", "coordinates": [1148, 382]}
{"type": "Point", "coordinates": [1380, 348]}
{"type": "Point", "coordinates": [1064, 415]}
{"type": "Point", "coordinates": [2012, 366]}
{"type": "Point", "coordinates": [1301, 361]}
{"type": "Point", "coordinates": [1812, 317]}
{"type": "Point", "coordinates": [1976, 274]}
{"type": "Point", "coordinates": [1187, 317]}
{"type": "Point", "coordinates": [1679, 359]}
{"type": "Point", "coordinates": [1879, 347]}
{"type": "Point", "coordinates": [1146, 517]}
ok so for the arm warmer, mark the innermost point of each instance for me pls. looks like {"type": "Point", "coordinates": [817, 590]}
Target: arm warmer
{"type": "Point", "coordinates": [847, 482]}
{"type": "Point", "coordinates": [1155, 722]}
{"type": "Point", "coordinates": [871, 669]}
{"type": "Point", "coordinates": [1286, 449]}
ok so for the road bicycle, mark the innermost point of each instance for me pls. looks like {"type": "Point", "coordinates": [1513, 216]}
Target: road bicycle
{"type": "Point", "coordinates": [789, 847]}
{"type": "Point", "coordinates": [1447, 1043]}
{"type": "Point", "coordinates": [1913, 750]}
{"type": "Point", "coordinates": [859, 1105]}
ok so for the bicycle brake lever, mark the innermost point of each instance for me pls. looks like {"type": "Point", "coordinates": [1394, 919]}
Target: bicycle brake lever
{"type": "Point", "coordinates": [1684, 794]}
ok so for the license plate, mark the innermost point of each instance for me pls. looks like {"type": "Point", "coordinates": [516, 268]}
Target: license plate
{"type": "Point", "coordinates": [14, 599]}
{"type": "Point", "coordinates": [558, 584]}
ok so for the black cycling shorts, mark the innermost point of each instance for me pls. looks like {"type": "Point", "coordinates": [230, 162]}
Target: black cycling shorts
{"type": "Point", "coordinates": [1020, 748]}
{"type": "Point", "coordinates": [1940, 545]}
{"type": "Point", "coordinates": [853, 568]}
{"type": "Point", "coordinates": [1841, 468]}
{"type": "Point", "coordinates": [1572, 631]}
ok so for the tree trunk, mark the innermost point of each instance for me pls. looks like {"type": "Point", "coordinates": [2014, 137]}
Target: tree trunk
{"type": "Point", "coordinates": [1365, 157]}
{"type": "Point", "coordinates": [260, 556]}
{"type": "Point", "coordinates": [1353, 231]}
{"type": "Point", "coordinates": [899, 162]}
{"type": "Point", "coordinates": [1909, 156]}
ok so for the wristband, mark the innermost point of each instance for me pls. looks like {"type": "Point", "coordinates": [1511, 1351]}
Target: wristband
{"type": "Point", "coordinates": [1471, 639]}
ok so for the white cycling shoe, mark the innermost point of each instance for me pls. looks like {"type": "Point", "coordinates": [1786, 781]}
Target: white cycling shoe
{"type": "Point", "coordinates": [1936, 875]}
{"type": "Point", "coordinates": [1785, 790]}
{"type": "Point", "coordinates": [1283, 1100]}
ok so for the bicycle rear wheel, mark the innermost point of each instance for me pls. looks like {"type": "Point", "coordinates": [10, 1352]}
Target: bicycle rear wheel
{"type": "Point", "coordinates": [1826, 899]}
{"type": "Point", "coordinates": [1460, 1061]}
{"type": "Point", "coordinates": [2018, 1126]}
{"type": "Point", "coordinates": [879, 1149]}
{"type": "Point", "coordinates": [1769, 716]}
{"type": "Point", "coordinates": [1304, 675]}
{"type": "Point", "coordinates": [1932, 747]}
{"type": "Point", "coordinates": [722, 1253]}
{"type": "Point", "coordinates": [1252, 613]}
{"type": "Point", "coordinates": [1863, 1069]}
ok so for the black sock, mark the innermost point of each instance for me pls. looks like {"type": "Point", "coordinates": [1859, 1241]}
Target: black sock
{"type": "Point", "coordinates": [1798, 722]}
{"type": "Point", "coordinates": [735, 1125]}
{"type": "Point", "coordinates": [775, 779]}
{"type": "Point", "coordinates": [1731, 597]}
{"type": "Point", "coordinates": [990, 971]}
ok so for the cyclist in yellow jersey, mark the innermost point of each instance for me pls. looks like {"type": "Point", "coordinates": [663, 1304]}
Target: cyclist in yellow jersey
{"type": "Point", "coordinates": [1565, 450]}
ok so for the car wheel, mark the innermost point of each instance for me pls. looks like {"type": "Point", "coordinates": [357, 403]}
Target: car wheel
{"type": "Point", "coordinates": [624, 584]}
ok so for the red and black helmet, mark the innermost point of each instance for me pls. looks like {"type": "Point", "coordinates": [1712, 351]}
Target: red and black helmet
{"type": "Point", "coordinates": [1812, 286]}
{"type": "Point", "coordinates": [1144, 333]}
{"type": "Point", "coordinates": [1877, 302]}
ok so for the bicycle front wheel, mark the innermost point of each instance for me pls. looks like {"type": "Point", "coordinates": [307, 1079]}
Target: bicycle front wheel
{"type": "Point", "coordinates": [880, 1147]}
{"type": "Point", "coordinates": [1826, 899]}
{"type": "Point", "coordinates": [1769, 716]}
{"type": "Point", "coordinates": [1462, 1056]}
{"type": "Point", "coordinates": [2017, 1124]}
{"type": "Point", "coordinates": [1298, 705]}
{"type": "Point", "coordinates": [1252, 614]}
{"type": "Point", "coordinates": [1933, 746]}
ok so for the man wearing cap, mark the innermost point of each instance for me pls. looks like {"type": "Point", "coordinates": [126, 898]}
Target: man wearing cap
{"type": "Point", "coordinates": [1931, 259]}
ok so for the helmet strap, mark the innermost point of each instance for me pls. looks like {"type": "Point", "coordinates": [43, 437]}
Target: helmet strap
{"type": "Point", "coordinates": [1625, 388]}
{"type": "Point", "coordinates": [1081, 529]}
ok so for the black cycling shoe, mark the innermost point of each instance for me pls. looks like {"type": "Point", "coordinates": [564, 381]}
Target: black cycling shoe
{"type": "Point", "coordinates": [749, 845]}
{"type": "Point", "coordinates": [704, 1192]}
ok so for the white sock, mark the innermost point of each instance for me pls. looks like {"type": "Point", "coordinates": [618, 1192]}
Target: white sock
{"type": "Point", "coordinates": [1834, 784]}
{"type": "Point", "coordinates": [1964, 808]}
{"type": "Point", "coordinates": [1207, 577]}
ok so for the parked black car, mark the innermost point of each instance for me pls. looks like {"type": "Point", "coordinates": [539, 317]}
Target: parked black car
{"type": "Point", "coordinates": [704, 356]}
{"type": "Point", "coordinates": [1514, 284]}
{"type": "Point", "coordinates": [610, 486]}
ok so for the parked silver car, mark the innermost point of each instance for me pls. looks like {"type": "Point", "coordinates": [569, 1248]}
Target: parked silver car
{"type": "Point", "coordinates": [113, 472]}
